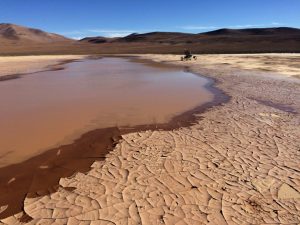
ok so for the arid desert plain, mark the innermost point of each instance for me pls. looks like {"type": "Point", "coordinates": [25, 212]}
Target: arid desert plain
{"type": "Point", "coordinates": [233, 159]}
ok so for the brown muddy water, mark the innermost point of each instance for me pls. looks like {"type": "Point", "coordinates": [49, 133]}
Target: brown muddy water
{"type": "Point", "coordinates": [48, 109]}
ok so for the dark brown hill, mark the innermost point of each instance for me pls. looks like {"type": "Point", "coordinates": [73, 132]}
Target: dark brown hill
{"type": "Point", "coordinates": [159, 37]}
{"type": "Point", "coordinates": [254, 31]}
{"type": "Point", "coordinates": [223, 34]}
{"type": "Point", "coordinates": [97, 40]}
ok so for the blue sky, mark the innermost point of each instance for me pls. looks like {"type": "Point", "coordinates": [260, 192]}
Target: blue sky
{"type": "Point", "coordinates": [79, 18]}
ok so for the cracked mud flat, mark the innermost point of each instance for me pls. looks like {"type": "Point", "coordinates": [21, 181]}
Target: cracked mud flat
{"type": "Point", "coordinates": [238, 164]}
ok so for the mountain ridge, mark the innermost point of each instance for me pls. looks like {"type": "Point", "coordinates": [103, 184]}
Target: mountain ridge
{"type": "Point", "coordinates": [19, 40]}
{"type": "Point", "coordinates": [13, 32]}
{"type": "Point", "coordinates": [180, 37]}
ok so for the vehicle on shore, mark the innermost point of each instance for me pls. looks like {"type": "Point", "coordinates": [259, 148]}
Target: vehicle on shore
{"type": "Point", "coordinates": [188, 56]}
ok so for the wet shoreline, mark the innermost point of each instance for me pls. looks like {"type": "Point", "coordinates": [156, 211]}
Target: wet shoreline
{"type": "Point", "coordinates": [90, 94]}
{"type": "Point", "coordinates": [57, 66]}
{"type": "Point", "coordinates": [66, 160]}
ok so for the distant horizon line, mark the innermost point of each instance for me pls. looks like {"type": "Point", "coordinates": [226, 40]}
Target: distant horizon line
{"type": "Point", "coordinates": [130, 32]}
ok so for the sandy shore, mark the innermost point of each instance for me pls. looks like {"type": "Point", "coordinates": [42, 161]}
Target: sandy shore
{"type": "Point", "coordinates": [238, 163]}
{"type": "Point", "coordinates": [14, 66]}
{"type": "Point", "coordinates": [276, 64]}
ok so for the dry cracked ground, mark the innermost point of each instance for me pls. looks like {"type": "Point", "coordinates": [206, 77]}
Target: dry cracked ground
{"type": "Point", "coordinates": [238, 164]}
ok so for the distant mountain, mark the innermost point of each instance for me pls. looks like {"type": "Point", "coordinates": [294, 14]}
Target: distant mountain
{"type": "Point", "coordinates": [18, 40]}
{"type": "Point", "coordinates": [280, 39]}
{"type": "Point", "coordinates": [161, 37]}
{"type": "Point", "coordinates": [97, 40]}
{"type": "Point", "coordinates": [135, 37]}
{"type": "Point", "coordinates": [255, 31]}
{"type": "Point", "coordinates": [15, 33]}
{"type": "Point", "coordinates": [176, 37]}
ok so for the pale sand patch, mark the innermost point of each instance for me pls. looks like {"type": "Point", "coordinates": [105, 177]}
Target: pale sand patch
{"type": "Point", "coordinates": [12, 65]}
{"type": "Point", "coordinates": [3, 208]}
{"type": "Point", "coordinates": [263, 185]}
{"type": "Point", "coordinates": [228, 168]}
{"type": "Point", "coordinates": [44, 167]}
{"type": "Point", "coordinates": [287, 192]}
{"type": "Point", "coordinates": [11, 180]}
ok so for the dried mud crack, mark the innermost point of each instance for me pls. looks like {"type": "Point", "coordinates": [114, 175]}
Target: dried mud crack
{"type": "Point", "coordinates": [239, 163]}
